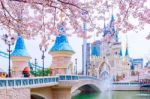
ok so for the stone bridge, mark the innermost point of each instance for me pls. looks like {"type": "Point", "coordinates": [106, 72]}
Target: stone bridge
{"type": "Point", "coordinates": [52, 87]}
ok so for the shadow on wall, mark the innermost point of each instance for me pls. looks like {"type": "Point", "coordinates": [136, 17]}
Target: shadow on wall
{"type": "Point", "coordinates": [36, 97]}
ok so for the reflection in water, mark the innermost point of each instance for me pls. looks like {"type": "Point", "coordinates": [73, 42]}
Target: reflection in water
{"type": "Point", "coordinates": [114, 95]}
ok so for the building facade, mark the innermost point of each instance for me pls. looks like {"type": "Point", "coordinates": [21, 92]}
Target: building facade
{"type": "Point", "coordinates": [107, 60]}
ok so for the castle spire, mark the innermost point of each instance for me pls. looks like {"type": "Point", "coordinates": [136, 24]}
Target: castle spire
{"type": "Point", "coordinates": [120, 52]}
{"type": "Point", "coordinates": [112, 21]}
{"type": "Point", "coordinates": [126, 52]}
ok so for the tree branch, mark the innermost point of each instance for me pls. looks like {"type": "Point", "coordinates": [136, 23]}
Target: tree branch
{"type": "Point", "coordinates": [127, 10]}
{"type": "Point", "coordinates": [4, 8]}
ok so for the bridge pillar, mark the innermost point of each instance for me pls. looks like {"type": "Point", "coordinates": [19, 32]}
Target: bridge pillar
{"type": "Point", "coordinates": [61, 93]}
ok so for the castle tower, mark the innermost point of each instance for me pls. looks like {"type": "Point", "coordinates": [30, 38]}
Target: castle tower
{"type": "Point", "coordinates": [127, 62]}
{"type": "Point", "coordinates": [20, 58]}
{"type": "Point", "coordinates": [61, 56]}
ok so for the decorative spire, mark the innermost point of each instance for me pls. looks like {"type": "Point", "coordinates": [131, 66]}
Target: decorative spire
{"type": "Point", "coordinates": [112, 19]}
{"type": "Point", "coordinates": [105, 31]}
{"type": "Point", "coordinates": [127, 52]}
{"type": "Point", "coordinates": [120, 52]}
{"type": "Point", "coordinates": [20, 49]}
{"type": "Point", "coordinates": [112, 29]}
{"type": "Point", "coordinates": [61, 28]}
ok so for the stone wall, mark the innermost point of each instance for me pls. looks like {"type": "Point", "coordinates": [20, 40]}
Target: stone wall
{"type": "Point", "coordinates": [15, 93]}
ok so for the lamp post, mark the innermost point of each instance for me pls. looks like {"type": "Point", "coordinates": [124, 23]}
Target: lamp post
{"type": "Point", "coordinates": [43, 49]}
{"type": "Point", "coordinates": [35, 66]}
{"type": "Point", "coordinates": [9, 40]}
{"type": "Point", "coordinates": [76, 66]}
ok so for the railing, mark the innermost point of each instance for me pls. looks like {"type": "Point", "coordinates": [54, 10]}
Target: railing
{"type": "Point", "coordinates": [127, 83]}
{"type": "Point", "coordinates": [40, 81]}
{"type": "Point", "coordinates": [82, 77]}
{"type": "Point", "coordinates": [27, 82]}
{"type": "Point", "coordinates": [76, 77]}
{"type": "Point", "coordinates": [68, 77]}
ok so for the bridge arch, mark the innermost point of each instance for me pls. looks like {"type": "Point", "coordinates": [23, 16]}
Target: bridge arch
{"type": "Point", "coordinates": [88, 88]}
{"type": "Point", "coordinates": [37, 96]}
{"type": "Point", "coordinates": [90, 84]}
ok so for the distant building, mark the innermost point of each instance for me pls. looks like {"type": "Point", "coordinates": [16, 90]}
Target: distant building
{"type": "Point", "coordinates": [137, 63]}
{"type": "Point", "coordinates": [87, 57]}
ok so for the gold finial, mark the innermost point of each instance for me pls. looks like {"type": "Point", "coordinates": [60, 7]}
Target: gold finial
{"type": "Point", "coordinates": [61, 16]}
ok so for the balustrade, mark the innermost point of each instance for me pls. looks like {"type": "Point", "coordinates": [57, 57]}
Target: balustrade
{"type": "Point", "coordinates": [27, 82]}
{"type": "Point", "coordinates": [39, 81]}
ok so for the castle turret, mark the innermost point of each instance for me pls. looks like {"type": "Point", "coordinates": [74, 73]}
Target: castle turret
{"type": "Point", "coordinates": [61, 56]}
{"type": "Point", "coordinates": [20, 58]}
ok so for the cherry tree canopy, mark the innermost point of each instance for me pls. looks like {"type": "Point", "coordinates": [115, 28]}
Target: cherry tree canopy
{"type": "Point", "coordinates": [41, 17]}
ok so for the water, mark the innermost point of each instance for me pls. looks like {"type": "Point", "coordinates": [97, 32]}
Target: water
{"type": "Point", "coordinates": [114, 95]}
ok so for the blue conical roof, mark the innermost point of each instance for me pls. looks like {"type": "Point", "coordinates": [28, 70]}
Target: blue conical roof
{"type": "Point", "coordinates": [112, 21]}
{"type": "Point", "coordinates": [112, 18]}
{"type": "Point", "coordinates": [61, 44]}
{"type": "Point", "coordinates": [20, 49]}
{"type": "Point", "coordinates": [120, 52]}
{"type": "Point", "coordinates": [127, 52]}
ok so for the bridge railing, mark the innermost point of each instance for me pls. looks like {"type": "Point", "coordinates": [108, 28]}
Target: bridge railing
{"type": "Point", "coordinates": [68, 77]}
{"type": "Point", "coordinates": [126, 83]}
{"type": "Point", "coordinates": [76, 77]}
{"type": "Point", "coordinates": [40, 81]}
{"type": "Point", "coordinates": [84, 77]}
{"type": "Point", "coordinates": [27, 82]}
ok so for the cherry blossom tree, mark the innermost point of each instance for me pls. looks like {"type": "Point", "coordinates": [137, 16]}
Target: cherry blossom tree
{"type": "Point", "coordinates": [41, 17]}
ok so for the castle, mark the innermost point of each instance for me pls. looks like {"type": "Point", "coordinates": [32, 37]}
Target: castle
{"type": "Point", "coordinates": [106, 58]}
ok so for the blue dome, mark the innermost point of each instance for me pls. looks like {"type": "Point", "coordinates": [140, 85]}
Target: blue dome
{"type": "Point", "coordinates": [20, 49]}
{"type": "Point", "coordinates": [61, 44]}
{"type": "Point", "coordinates": [95, 51]}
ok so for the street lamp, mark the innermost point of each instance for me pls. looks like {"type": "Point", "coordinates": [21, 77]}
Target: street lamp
{"type": "Point", "coordinates": [35, 66]}
{"type": "Point", "coordinates": [76, 66]}
{"type": "Point", "coordinates": [9, 40]}
{"type": "Point", "coordinates": [43, 49]}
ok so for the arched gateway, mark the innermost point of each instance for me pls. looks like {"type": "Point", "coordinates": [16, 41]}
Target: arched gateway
{"type": "Point", "coordinates": [104, 71]}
